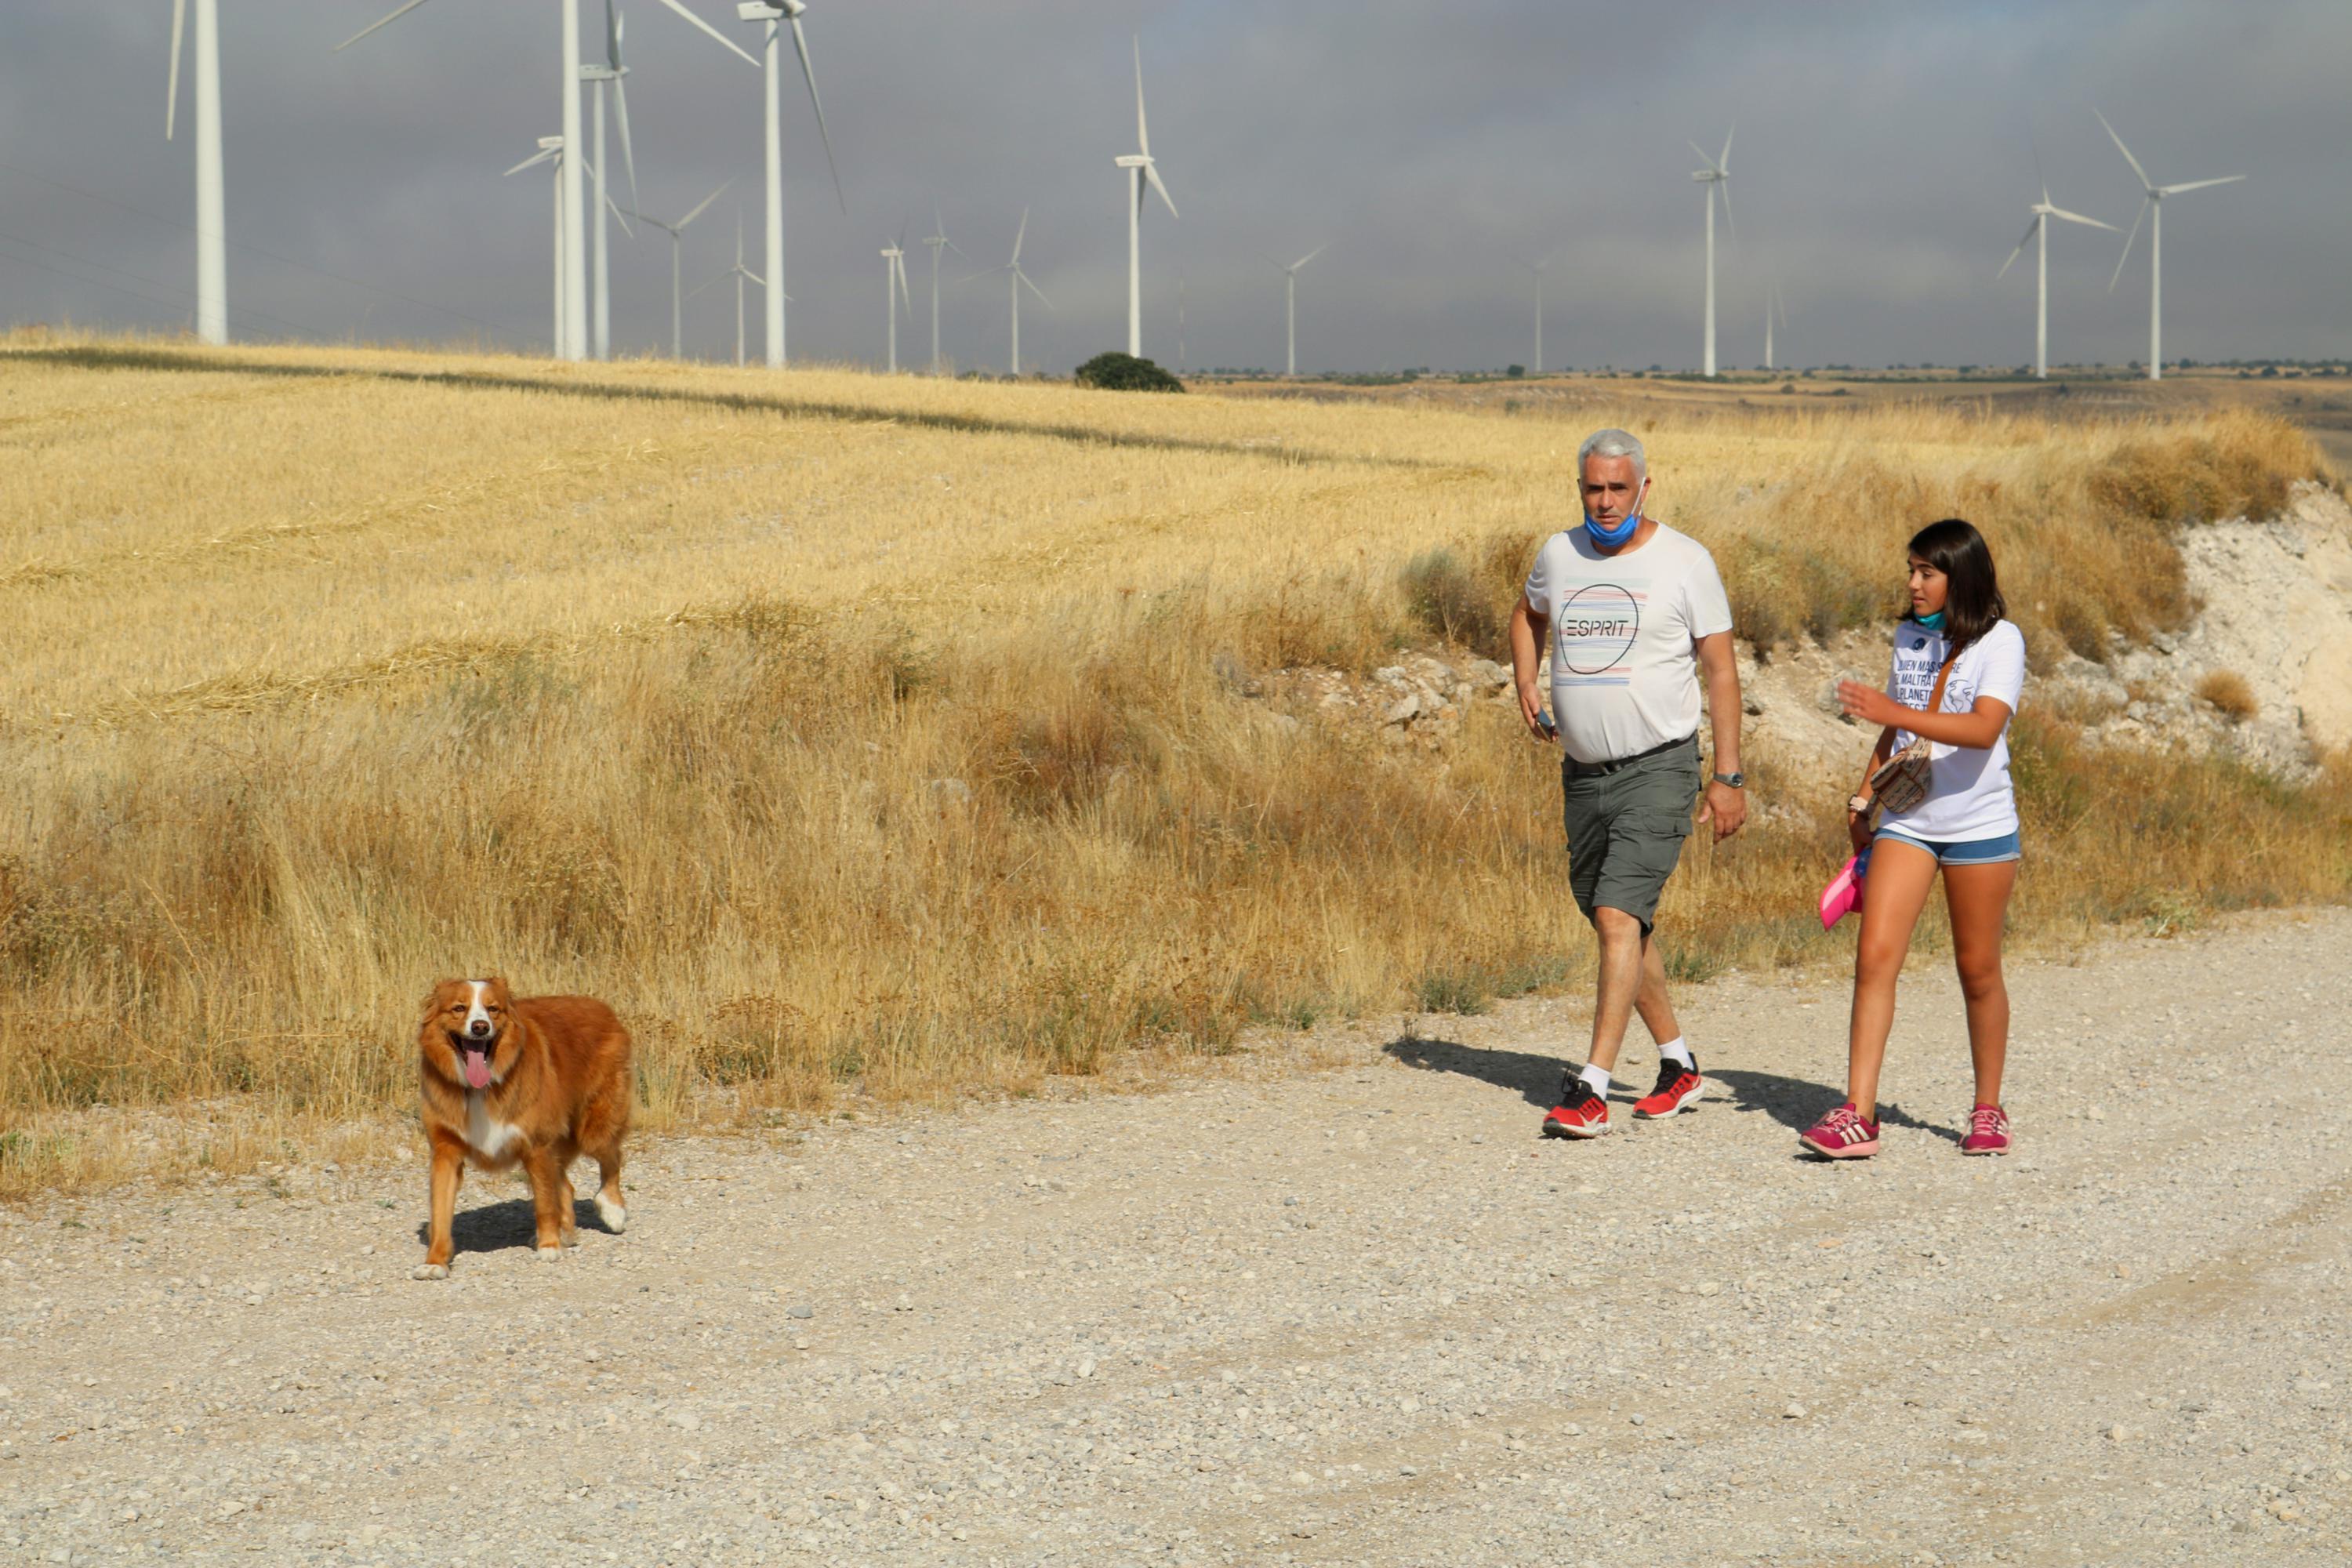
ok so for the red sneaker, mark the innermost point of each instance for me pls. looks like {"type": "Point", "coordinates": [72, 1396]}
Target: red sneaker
{"type": "Point", "coordinates": [1679, 1089]}
{"type": "Point", "coordinates": [1581, 1113]}
{"type": "Point", "coordinates": [1988, 1131]}
{"type": "Point", "coordinates": [1843, 1135]}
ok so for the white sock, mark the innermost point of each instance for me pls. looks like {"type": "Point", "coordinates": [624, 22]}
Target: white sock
{"type": "Point", "coordinates": [1596, 1079]}
{"type": "Point", "coordinates": [1677, 1051]}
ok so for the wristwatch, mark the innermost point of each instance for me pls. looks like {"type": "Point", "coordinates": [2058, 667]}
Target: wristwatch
{"type": "Point", "coordinates": [1737, 781]}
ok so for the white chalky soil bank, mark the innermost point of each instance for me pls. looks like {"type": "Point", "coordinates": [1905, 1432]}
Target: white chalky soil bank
{"type": "Point", "coordinates": [1355, 1315]}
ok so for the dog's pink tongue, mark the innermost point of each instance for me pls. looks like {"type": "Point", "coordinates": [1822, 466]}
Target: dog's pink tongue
{"type": "Point", "coordinates": [478, 1069]}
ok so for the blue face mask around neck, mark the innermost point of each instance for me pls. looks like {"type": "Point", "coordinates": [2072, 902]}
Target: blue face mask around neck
{"type": "Point", "coordinates": [1613, 537]}
{"type": "Point", "coordinates": [1933, 623]}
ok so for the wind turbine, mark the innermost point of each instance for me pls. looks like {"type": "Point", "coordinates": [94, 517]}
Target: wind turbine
{"type": "Point", "coordinates": [551, 150]}
{"type": "Point", "coordinates": [612, 71]}
{"type": "Point", "coordinates": [572, 340]}
{"type": "Point", "coordinates": [1538, 268]}
{"type": "Point", "coordinates": [212, 258]}
{"type": "Point", "coordinates": [739, 273]}
{"type": "Point", "coordinates": [1017, 281]}
{"type": "Point", "coordinates": [1290, 303]}
{"type": "Point", "coordinates": [895, 254]}
{"type": "Point", "coordinates": [677, 232]}
{"type": "Point", "coordinates": [2039, 232]}
{"type": "Point", "coordinates": [1139, 168]}
{"type": "Point", "coordinates": [938, 240]}
{"type": "Point", "coordinates": [772, 16]}
{"type": "Point", "coordinates": [1716, 176]}
{"type": "Point", "coordinates": [2153, 203]}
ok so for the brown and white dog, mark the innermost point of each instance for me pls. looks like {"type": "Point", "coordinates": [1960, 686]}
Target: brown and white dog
{"type": "Point", "coordinates": [534, 1081]}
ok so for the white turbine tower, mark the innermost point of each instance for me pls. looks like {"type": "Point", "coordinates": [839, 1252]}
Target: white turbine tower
{"type": "Point", "coordinates": [1716, 176]}
{"type": "Point", "coordinates": [2039, 232]}
{"type": "Point", "coordinates": [1536, 267]}
{"type": "Point", "coordinates": [613, 71]}
{"type": "Point", "coordinates": [938, 240]}
{"type": "Point", "coordinates": [1139, 168]}
{"type": "Point", "coordinates": [677, 232]}
{"type": "Point", "coordinates": [1290, 305]}
{"type": "Point", "coordinates": [894, 290]}
{"type": "Point", "coordinates": [212, 245]}
{"type": "Point", "coordinates": [1773, 307]}
{"type": "Point", "coordinates": [772, 18]}
{"type": "Point", "coordinates": [2153, 203]}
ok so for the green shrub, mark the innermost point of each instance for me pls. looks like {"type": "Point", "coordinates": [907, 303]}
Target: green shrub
{"type": "Point", "coordinates": [1125, 373]}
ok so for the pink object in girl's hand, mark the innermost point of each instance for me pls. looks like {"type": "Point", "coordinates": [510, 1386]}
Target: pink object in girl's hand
{"type": "Point", "coordinates": [1843, 895]}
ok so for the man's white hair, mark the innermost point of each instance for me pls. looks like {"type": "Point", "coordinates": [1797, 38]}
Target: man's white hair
{"type": "Point", "coordinates": [1613, 444]}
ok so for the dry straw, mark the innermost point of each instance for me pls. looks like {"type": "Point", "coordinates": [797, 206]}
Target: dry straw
{"type": "Point", "coordinates": [890, 738]}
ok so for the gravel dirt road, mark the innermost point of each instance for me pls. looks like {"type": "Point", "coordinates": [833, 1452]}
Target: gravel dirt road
{"type": "Point", "coordinates": [1336, 1305]}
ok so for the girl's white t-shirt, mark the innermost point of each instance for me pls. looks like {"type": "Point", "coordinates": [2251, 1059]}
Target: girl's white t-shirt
{"type": "Point", "coordinates": [1969, 792]}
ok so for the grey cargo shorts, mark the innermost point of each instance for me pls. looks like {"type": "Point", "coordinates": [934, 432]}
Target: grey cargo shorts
{"type": "Point", "coordinates": [1625, 830]}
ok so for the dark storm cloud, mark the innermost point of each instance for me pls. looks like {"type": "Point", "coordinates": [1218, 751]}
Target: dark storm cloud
{"type": "Point", "coordinates": [1882, 171]}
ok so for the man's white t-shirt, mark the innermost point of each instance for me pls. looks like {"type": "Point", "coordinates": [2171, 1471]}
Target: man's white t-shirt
{"type": "Point", "coordinates": [1968, 792]}
{"type": "Point", "coordinates": [1624, 672]}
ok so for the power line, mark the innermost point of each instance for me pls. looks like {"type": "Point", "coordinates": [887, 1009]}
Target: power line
{"type": "Point", "coordinates": [183, 296]}
{"type": "Point", "coordinates": [529, 337]}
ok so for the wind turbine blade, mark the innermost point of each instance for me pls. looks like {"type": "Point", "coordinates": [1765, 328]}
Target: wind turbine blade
{"type": "Point", "coordinates": [2146, 202]}
{"type": "Point", "coordinates": [1308, 256]}
{"type": "Point", "coordinates": [1019, 235]}
{"type": "Point", "coordinates": [382, 22]}
{"type": "Point", "coordinates": [621, 215]}
{"type": "Point", "coordinates": [1724, 187]}
{"type": "Point", "coordinates": [898, 267]}
{"type": "Point", "coordinates": [2078, 217]}
{"type": "Point", "coordinates": [1023, 277]}
{"type": "Point", "coordinates": [629, 153]}
{"type": "Point", "coordinates": [1700, 150]}
{"type": "Point", "coordinates": [611, 35]}
{"type": "Point", "coordinates": [171, 92]}
{"type": "Point", "coordinates": [757, 278]}
{"type": "Point", "coordinates": [698, 288]}
{"type": "Point", "coordinates": [2019, 250]}
{"type": "Point", "coordinates": [538, 157]}
{"type": "Point", "coordinates": [800, 42]}
{"type": "Point", "coordinates": [700, 206]}
{"type": "Point", "coordinates": [2200, 185]}
{"type": "Point", "coordinates": [1143, 132]}
{"type": "Point", "coordinates": [706, 28]}
{"type": "Point", "coordinates": [2146, 184]}
{"type": "Point", "coordinates": [1152, 172]}
{"type": "Point", "coordinates": [1724, 163]}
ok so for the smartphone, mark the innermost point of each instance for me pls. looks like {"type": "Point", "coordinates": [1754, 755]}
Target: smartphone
{"type": "Point", "coordinates": [1544, 722]}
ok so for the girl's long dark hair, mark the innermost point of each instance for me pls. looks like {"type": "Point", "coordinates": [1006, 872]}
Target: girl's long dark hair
{"type": "Point", "coordinates": [1972, 604]}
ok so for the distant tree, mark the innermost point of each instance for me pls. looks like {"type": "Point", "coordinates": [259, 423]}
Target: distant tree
{"type": "Point", "coordinates": [1514, 370]}
{"type": "Point", "coordinates": [1115, 372]}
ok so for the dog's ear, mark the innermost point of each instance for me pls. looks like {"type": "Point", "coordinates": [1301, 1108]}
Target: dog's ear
{"type": "Point", "coordinates": [496, 987]}
{"type": "Point", "coordinates": [433, 1002]}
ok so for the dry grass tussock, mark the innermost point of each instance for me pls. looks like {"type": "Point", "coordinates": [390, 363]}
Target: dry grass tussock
{"type": "Point", "coordinates": [879, 737]}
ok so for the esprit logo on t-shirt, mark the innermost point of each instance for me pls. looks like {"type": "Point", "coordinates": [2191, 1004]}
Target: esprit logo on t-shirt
{"type": "Point", "coordinates": [1596, 627]}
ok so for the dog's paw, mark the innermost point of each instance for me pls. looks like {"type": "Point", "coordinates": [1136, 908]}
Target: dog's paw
{"type": "Point", "coordinates": [550, 1254]}
{"type": "Point", "coordinates": [429, 1271]}
{"type": "Point", "coordinates": [615, 1217]}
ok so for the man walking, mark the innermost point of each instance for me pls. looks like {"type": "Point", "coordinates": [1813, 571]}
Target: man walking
{"type": "Point", "coordinates": [1634, 611]}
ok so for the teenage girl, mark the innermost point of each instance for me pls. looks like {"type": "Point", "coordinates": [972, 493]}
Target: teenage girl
{"type": "Point", "coordinates": [1966, 826]}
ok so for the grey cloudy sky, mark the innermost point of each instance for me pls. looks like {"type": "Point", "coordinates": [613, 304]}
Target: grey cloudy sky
{"type": "Point", "coordinates": [1881, 171]}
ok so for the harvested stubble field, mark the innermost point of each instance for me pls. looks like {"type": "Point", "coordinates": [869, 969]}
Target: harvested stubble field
{"type": "Point", "coordinates": [896, 737]}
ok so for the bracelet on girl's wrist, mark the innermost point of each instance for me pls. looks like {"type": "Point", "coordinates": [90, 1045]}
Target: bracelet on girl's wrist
{"type": "Point", "coordinates": [1857, 804]}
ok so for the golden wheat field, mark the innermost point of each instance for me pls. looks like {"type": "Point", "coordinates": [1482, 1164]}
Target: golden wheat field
{"type": "Point", "coordinates": [887, 737]}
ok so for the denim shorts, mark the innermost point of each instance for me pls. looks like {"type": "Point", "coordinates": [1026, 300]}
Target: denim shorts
{"type": "Point", "coordinates": [1961, 852]}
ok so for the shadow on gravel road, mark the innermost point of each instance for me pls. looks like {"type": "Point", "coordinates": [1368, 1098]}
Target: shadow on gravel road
{"type": "Point", "coordinates": [1797, 1104]}
{"type": "Point", "coordinates": [1537, 1079]}
{"type": "Point", "coordinates": [494, 1228]}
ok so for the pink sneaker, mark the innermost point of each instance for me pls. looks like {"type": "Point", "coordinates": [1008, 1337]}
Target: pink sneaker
{"type": "Point", "coordinates": [1988, 1131]}
{"type": "Point", "coordinates": [1843, 1135]}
